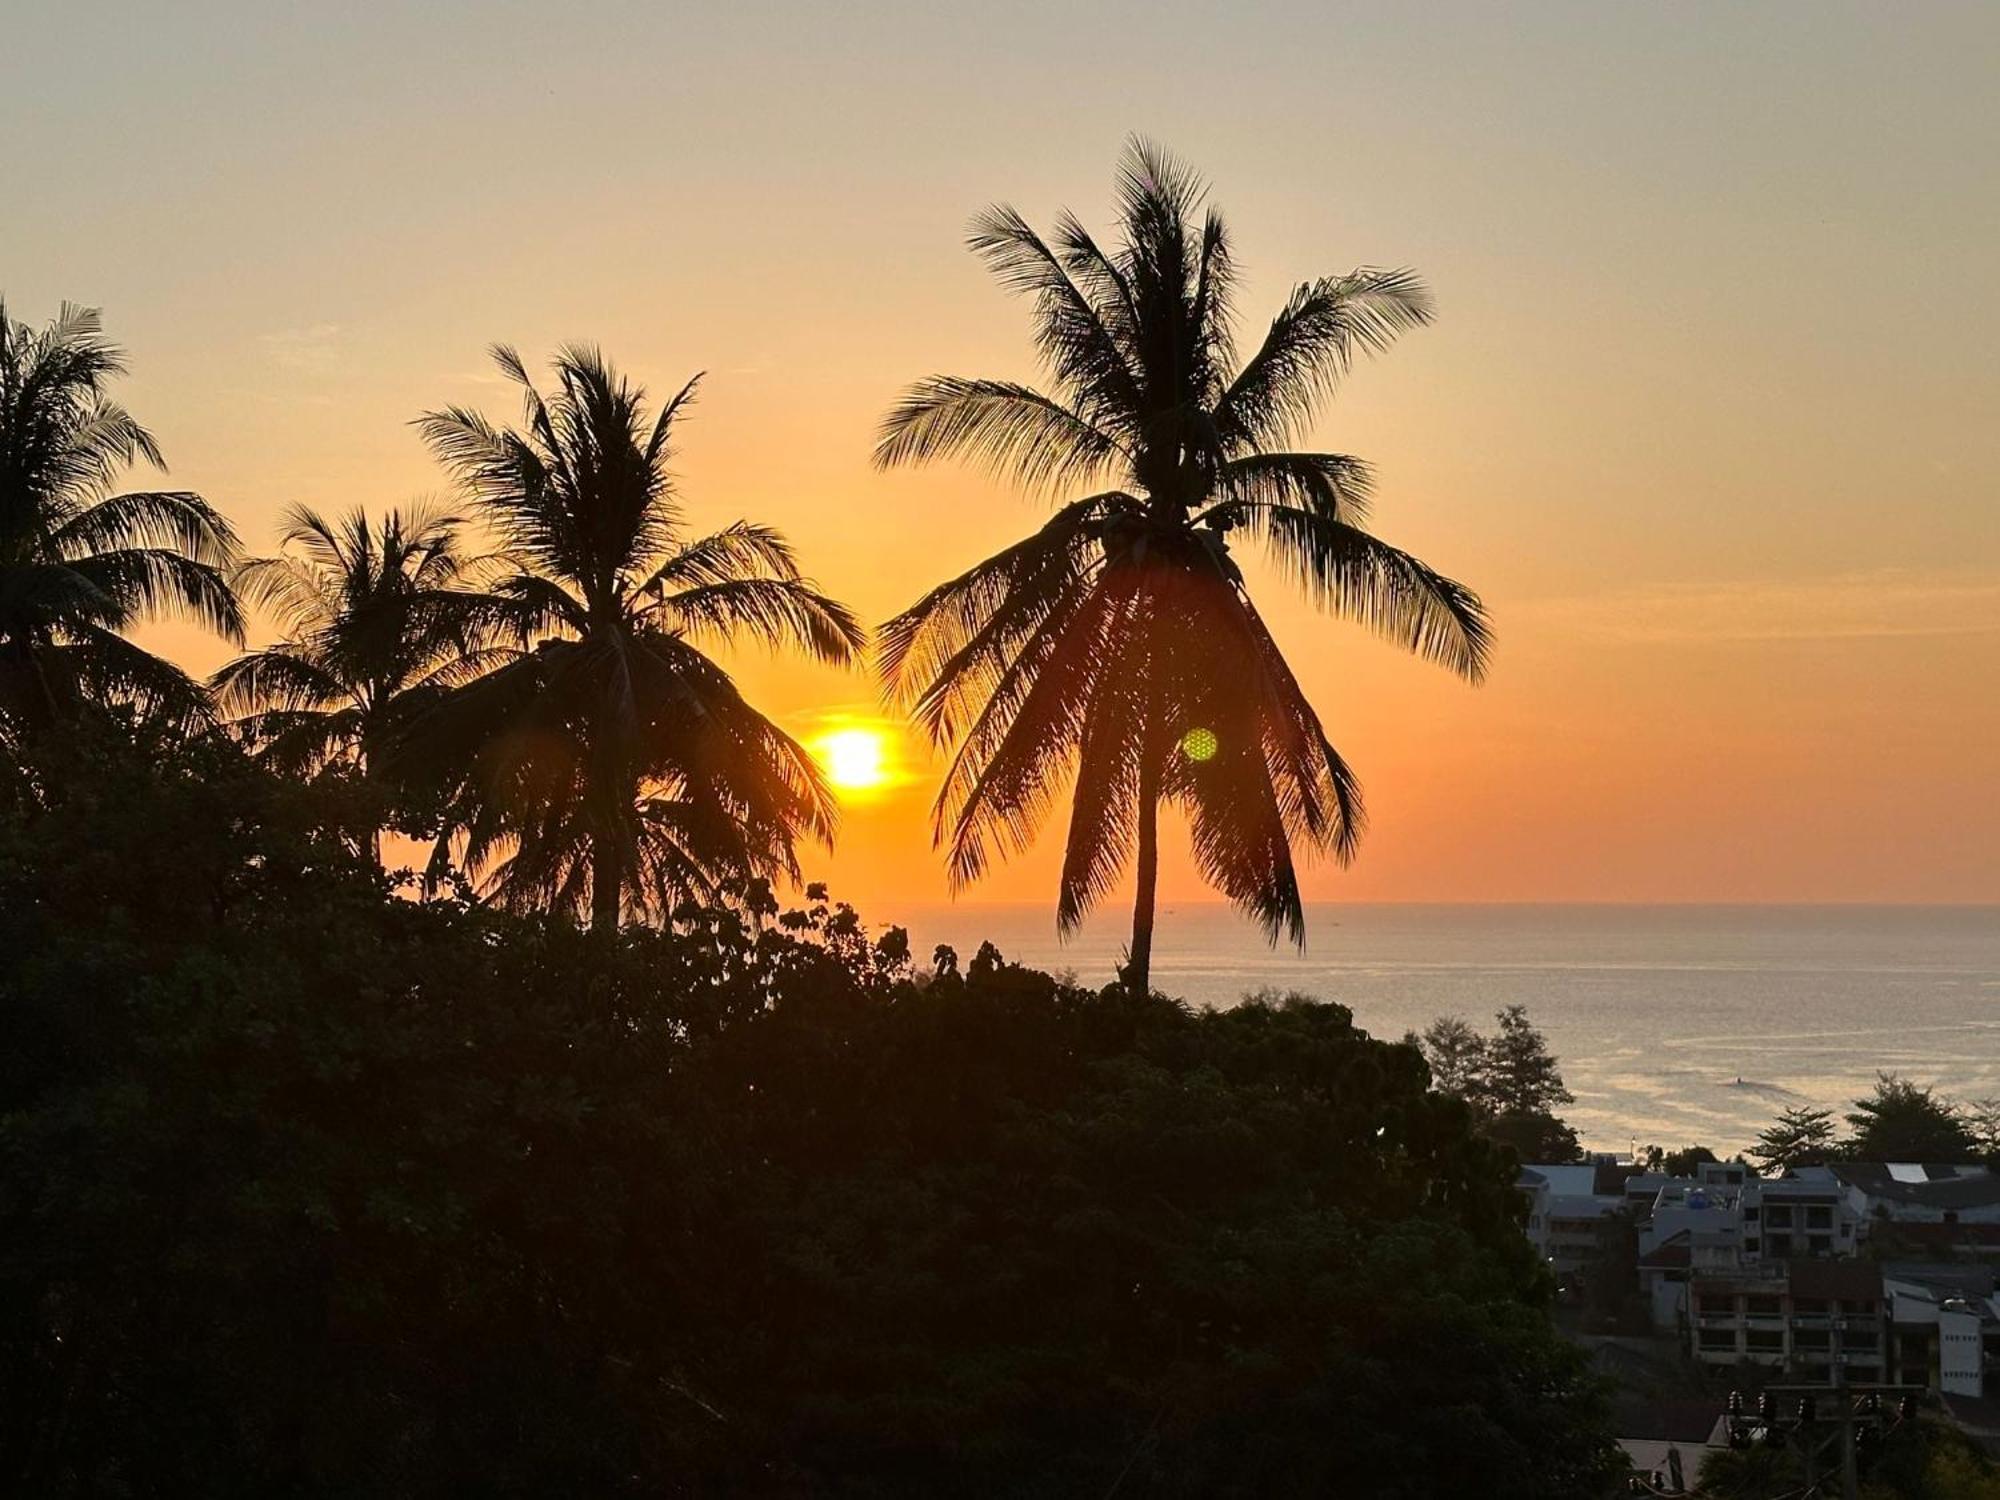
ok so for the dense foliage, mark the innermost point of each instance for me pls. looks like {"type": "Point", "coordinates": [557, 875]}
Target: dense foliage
{"type": "Point", "coordinates": [1509, 1079]}
{"type": "Point", "coordinates": [1925, 1460]}
{"type": "Point", "coordinates": [308, 1189]}
{"type": "Point", "coordinates": [1904, 1121]}
{"type": "Point", "coordinates": [1899, 1120]}
{"type": "Point", "coordinates": [1801, 1136]}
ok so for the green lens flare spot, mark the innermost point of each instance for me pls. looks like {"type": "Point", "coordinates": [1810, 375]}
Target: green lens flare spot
{"type": "Point", "coordinates": [1200, 744]}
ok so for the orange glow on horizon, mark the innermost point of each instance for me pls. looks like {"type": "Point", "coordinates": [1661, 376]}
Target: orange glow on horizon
{"type": "Point", "coordinates": [1739, 542]}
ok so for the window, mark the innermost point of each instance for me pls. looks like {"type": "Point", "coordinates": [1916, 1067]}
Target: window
{"type": "Point", "coordinates": [1860, 1343]}
{"type": "Point", "coordinates": [1781, 1244]}
{"type": "Point", "coordinates": [1779, 1217]}
{"type": "Point", "coordinates": [1809, 1307]}
{"type": "Point", "coordinates": [1764, 1341]}
{"type": "Point", "coordinates": [1717, 1305]}
{"type": "Point", "coordinates": [1819, 1244]}
{"type": "Point", "coordinates": [1750, 1246]}
{"type": "Point", "coordinates": [1763, 1307]}
{"type": "Point", "coordinates": [1811, 1339]}
{"type": "Point", "coordinates": [1750, 1215]}
{"type": "Point", "coordinates": [1819, 1218]}
{"type": "Point", "coordinates": [1719, 1340]}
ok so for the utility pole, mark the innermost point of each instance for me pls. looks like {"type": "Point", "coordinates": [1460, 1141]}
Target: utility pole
{"type": "Point", "coordinates": [1849, 1412]}
{"type": "Point", "coordinates": [1850, 1476]}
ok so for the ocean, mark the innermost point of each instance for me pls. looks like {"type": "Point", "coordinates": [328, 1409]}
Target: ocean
{"type": "Point", "coordinates": [1673, 1024]}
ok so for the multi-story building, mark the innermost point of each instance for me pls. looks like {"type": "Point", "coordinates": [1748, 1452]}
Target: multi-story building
{"type": "Point", "coordinates": [1803, 1317]}
{"type": "Point", "coordinates": [1786, 1217]}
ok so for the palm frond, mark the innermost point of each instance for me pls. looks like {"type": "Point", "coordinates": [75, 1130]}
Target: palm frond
{"type": "Point", "coordinates": [107, 668]}
{"type": "Point", "coordinates": [776, 611]}
{"type": "Point", "coordinates": [280, 677]}
{"type": "Point", "coordinates": [1328, 484]}
{"type": "Point", "coordinates": [1075, 336]}
{"type": "Point", "coordinates": [1311, 344]}
{"type": "Point", "coordinates": [993, 603]}
{"type": "Point", "coordinates": [740, 550]}
{"type": "Point", "coordinates": [1382, 587]}
{"type": "Point", "coordinates": [1013, 430]}
{"type": "Point", "coordinates": [148, 581]}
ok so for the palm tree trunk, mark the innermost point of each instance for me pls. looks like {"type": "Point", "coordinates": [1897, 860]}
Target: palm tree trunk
{"type": "Point", "coordinates": [1139, 967]}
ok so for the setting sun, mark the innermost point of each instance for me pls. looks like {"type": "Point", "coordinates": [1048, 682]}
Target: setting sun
{"type": "Point", "coordinates": [855, 759]}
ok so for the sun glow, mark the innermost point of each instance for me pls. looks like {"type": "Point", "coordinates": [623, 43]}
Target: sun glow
{"type": "Point", "coordinates": [855, 759]}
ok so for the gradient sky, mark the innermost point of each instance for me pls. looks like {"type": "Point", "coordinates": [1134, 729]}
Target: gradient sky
{"type": "Point", "coordinates": [1709, 415]}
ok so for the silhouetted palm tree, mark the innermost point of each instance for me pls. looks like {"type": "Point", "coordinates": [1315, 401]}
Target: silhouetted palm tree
{"type": "Point", "coordinates": [78, 564]}
{"type": "Point", "coordinates": [609, 753]}
{"type": "Point", "coordinates": [1119, 642]}
{"type": "Point", "coordinates": [375, 626]}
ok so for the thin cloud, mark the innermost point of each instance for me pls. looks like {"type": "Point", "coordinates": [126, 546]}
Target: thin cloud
{"type": "Point", "coordinates": [315, 349]}
{"type": "Point", "coordinates": [1881, 603]}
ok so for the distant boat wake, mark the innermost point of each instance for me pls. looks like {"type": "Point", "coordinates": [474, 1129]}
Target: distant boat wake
{"type": "Point", "coordinates": [1758, 1086]}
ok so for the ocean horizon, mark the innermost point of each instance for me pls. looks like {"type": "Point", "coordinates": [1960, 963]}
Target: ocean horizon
{"type": "Point", "coordinates": [1673, 1023]}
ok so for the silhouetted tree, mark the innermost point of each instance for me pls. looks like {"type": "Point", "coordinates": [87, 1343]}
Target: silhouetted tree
{"type": "Point", "coordinates": [1518, 1073]}
{"type": "Point", "coordinates": [375, 626]}
{"type": "Point", "coordinates": [1903, 1121]}
{"type": "Point", "coordinates": [1456, 1054]}
{"type": "Point", "coordinates": [1982, 1119]}
{"type": "Point", "coordinates": [78, 564]}
{"type": "Point", "coordinates": [1509, 1079]}
{"type": "Point", "coordinates": [1800, 1137]}
{"type": "Point", "coordinates": [1120, 641]}
{"type": "Point", "coordinates": [607, 761]}
{"type": "Point", "coordinates": [1518, 1089]}
{"type": "Point", "coordinates": [1534, 1135]}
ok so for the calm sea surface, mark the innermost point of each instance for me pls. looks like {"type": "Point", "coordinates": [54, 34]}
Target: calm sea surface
{"type": "Point", "coordinates": [1673, 1024]}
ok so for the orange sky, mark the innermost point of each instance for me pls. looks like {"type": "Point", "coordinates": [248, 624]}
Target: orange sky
{"type": "Point", "coordinates": [1707, 416]}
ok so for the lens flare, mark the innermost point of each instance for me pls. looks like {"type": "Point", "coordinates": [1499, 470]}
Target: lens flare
{"type": "Point", "coordinates": [1200, 744]}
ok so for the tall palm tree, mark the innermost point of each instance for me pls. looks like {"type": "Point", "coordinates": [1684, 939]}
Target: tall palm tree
{"type": "Point", "coordinates": [612, 757]}
{"type": "Point", "coordinates": [1119, 643]}
{"type": "Point", "coordinates": [78, 564]}
{"type": "Point", "coordinates": [376, 625]}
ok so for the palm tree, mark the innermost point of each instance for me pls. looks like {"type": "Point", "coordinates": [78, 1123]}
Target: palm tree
{"type": "Point", "coordinates": [612, 757]}
{"type": "Point", "coordinates": [375, 626]}
{"type": "Point", "coordinates": [1119, 644]}
{"type": "Point", "coordinates": [78, 564]}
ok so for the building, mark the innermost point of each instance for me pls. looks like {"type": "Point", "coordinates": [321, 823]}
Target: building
{"type": "Point", "coordinates": [1944, 1323]}
{"type": "Point", "coordinates": [1578, 1207]}
{"type": "Point", "coordinates": [1534, 1187]}
{"type": "Point", "coordinates": [1932, 1208]}
{"type": "Point", "coordinates": [1802, 1317]}
{"type": "Point", "coordinates": [1801, 1215]}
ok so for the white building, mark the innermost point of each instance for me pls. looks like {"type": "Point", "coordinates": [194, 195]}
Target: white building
{"type": "Point", "coordinates": [1944, 1327]}
{"type": "Point", "coordinates": [1577, 1205]}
